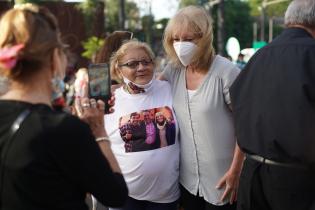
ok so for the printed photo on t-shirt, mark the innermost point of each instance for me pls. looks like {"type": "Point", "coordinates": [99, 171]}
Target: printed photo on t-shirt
{"type": "Point", "coordinates": [148, 129]}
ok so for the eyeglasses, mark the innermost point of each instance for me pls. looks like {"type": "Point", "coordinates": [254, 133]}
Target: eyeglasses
{"type": "Point", "coordinates": [135, 64]}
{"type": "Point", "coordinates": [127, 34]}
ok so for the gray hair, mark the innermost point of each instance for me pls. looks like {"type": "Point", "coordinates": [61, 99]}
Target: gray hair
{"type": "Point", "coordinates": [301, 12]}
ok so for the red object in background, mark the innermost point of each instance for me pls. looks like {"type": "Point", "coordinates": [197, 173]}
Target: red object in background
{"type": "Point", "coordinates": [59, 103]}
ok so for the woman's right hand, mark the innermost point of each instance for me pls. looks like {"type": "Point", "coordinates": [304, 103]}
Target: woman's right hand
{"type": "Point", "coordinates": [91, 112]}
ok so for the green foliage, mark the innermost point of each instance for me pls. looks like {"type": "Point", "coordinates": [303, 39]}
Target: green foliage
{"type": "Point", "coordinates": [112, 15]}
{"type": "Point", "coordinates": [91, 46]}
{"type": "Point", "coordinates": [88, 8]}
{"type": "Point", "coordinates": [147, 26]}
{"type": "Point", "coordinates": [112, 12]}
{"type": "Point", "coordinates": [185, 3]}
{"type": "Point", "coordinates": [277, 9]}
{"type": "Point", "coordinates": [238, 22]}
{"type": "Point", "coordinates": [32, 1]}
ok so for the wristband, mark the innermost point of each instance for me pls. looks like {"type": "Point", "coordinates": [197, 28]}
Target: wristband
{"type": "Point", "coordinates": [104, 138]}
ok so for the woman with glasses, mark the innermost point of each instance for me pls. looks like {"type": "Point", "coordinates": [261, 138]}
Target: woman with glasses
{"type": "Point", "coordinates": [210, 161]}
{"type": "Point", "coordinates": [150, 168]}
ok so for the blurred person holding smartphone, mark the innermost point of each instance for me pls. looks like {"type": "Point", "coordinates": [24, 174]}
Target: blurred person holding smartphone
{"type": "Point", "coordinates": [151, 169]}
{"type": "Point", "coordinates": [49, 159]}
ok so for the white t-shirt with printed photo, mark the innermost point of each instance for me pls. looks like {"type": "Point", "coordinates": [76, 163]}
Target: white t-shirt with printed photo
{"type": "Point", "coordinates": [143, 132]}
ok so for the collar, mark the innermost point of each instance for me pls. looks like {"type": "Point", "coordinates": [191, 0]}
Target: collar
{"type": "Point", "coordinates": [296, 32]}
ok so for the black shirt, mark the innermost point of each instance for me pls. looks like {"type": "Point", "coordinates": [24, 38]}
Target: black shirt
{"type": "Point", "coordinates": [273, 100]}
{"type": "Point", "coordinates": [53, 161]}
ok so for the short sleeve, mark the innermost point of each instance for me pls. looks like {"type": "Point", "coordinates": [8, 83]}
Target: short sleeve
{"type": "Point", "coordinates": [228, 78]}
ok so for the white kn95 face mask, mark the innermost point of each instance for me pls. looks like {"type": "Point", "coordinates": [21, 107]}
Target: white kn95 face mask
{"type": "Point", "coordinates": [185, 51]}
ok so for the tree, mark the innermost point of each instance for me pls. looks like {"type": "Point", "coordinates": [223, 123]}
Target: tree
{"type": "Point", "coordinates": [268, 12]}
{"type": "Point", "coordinates": [185, 3]}
{"type": "Point", "coordinates": [271, 10]}
{"type": "Point", "coordinates": [147, 26]}
{"type": "Point", "coordinates": [238, 22]}
{"type": "Point", "coordinates": [93, 10]}
{"type": "Point", "coordinates": [29, 1]}
{"type": "Point", "coordinates": [112, 15]}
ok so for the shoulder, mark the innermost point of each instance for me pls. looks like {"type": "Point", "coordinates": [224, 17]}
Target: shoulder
{"type": "Point", "coordinates": [162, 84]}
{"type": "Point", "coordinates": [222, 67]}
{"type": "Point", "coordinates": [162, 88]}
{"type": "Point", "coordinates": [171, 70]}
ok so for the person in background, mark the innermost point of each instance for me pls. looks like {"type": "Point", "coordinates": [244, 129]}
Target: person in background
{"type": "Point", "coordinates": [110, 46]}
{"type": "Point", "coordinates": [211, 160]}
{"type": "Point", "coordinates": [49, 159]}
{"type": "Point", "coordinates": [149, 126]}
{"type": "Point", "coordinates": [240, 61]}
{"type": "Point", "coordinates": [151, 172]}
{"type": "Point", "coordinates": [274, 107]}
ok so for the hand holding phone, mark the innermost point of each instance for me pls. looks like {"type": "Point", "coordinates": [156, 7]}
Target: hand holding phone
{"type": "Point", "coordinates": [99, 83]}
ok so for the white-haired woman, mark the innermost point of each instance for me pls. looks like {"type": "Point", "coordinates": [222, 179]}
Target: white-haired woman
{"type": "Point", "coordinates": [147, 155]}
{"type": "Point", "coordinates": [211, 160]}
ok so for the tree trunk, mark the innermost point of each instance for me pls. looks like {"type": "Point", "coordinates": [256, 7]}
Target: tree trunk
{"type": "Point", "coordinates": [122, 14]}
{"type": "Point", "coordinates": [99, 21]}
{"type": "Point", "coordinates": [220, 34]}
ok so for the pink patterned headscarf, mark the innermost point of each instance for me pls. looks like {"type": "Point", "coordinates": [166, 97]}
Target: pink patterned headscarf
{"type": "Point", "coordinates": [8, 56]}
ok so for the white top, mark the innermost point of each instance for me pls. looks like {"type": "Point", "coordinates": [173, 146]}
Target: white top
{"type": "Point", "coordinates": [147, 151]}
{"type": "Point", "coordinates": [206, 128]}
{"type": "Point", "coordinates": [191, 93]}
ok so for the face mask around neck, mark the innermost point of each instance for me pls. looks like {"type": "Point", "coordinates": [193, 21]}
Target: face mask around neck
{"type": "Point", "coordinates": [185, 51]}
{"type": "Point", "coordinates": [137, 87]}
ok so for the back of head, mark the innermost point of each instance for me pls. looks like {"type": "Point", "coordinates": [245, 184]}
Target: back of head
{"type": "Point", "coordinates": [111, 44]}
{"type": "Point", "coordinates": [197, 21]}
{"type": "Point", "coordinates": [122, 51]}
{"type": "Point", "coordinates": [301, 12]}
{"type": "Point", "coordinates": [33, 28]}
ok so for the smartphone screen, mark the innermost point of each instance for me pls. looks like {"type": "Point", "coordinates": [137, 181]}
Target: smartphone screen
{"type": "Point", "coordinates": [99, 82]}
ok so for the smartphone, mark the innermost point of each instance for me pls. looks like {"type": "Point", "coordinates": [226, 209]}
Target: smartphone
{"type": "Point", "coordinates": [99, 83]}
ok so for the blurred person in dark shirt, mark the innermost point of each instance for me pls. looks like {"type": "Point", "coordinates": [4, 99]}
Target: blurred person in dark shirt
{"type": "Point", "coordinates": [273, 100]}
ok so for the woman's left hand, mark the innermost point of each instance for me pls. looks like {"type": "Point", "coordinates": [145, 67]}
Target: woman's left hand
{"type": "Point", "coordinates": [230, 181]}
{"type": "Point", "coordinates": [91, 112]}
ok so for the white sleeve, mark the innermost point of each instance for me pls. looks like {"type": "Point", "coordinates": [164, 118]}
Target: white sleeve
{"type": "Point", "coordinates": [228, 79]}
